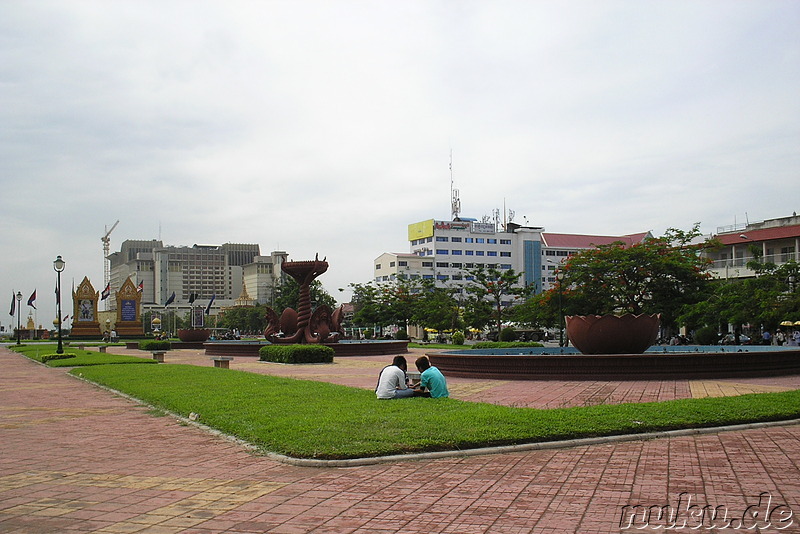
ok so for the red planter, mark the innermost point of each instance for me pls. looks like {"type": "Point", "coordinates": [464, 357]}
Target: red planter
{"type": "Point", "coordinates": [194, 334]}
{"type": "Point", "coordinates": [613, 334]}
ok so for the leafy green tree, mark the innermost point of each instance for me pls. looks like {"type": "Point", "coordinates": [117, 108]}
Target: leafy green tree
{"type": "Point", "coordinates": [437, 308]}
{"type": "Point", "coordinates": [245, 318]}
{"type": "Point", "coordinates": [499, 288]}
{"type": "Point", "coordinates": [288, 295]}
{"type": "Point", "coordinates": [369, 308]}
{"type": "Point", "coordinates": [765, 300]}
{"type": "Point", "coordinates": [659, 275]}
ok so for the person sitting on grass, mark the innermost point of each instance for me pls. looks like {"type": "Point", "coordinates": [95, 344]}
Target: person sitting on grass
{"type": "Point", "coordinates": [393, 381]}
{"type": "Point", "coordinates": [430, 379]}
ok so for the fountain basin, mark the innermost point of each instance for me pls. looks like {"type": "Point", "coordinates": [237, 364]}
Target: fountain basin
{"type": "Point", "coordinates": [657, 363]}
{"type": "Point", "coordinates": [342, 348]}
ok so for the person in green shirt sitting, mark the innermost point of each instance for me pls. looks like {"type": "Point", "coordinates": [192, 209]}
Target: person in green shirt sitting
{"type": "Point", "coordinates": [431, 380]}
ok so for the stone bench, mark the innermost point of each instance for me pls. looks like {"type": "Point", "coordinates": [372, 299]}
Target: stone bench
{"type": "Point", "coordinates": [158, 355]}
{"type": "Point", "coordinates": [102, 349]}
{"type": "Point", "coordinates": [223, 362]}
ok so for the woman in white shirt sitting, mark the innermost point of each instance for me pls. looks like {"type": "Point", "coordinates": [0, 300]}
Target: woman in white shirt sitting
{"type": "Point", "coordinates": [393, 381]}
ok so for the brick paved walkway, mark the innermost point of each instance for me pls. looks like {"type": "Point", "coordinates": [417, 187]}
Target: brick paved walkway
{"type": "Point", "coordinates": [74, 458]}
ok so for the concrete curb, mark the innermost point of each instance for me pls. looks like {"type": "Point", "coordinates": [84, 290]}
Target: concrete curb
{"type": "Point", "coordinates": [501, 449]}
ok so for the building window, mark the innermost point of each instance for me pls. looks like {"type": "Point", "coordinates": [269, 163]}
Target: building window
{"type": "Point", "coordinates": [469, 240]}
{"type": "Point", "coordinates": [391, 264]}
{"type": "Point", "coordinates": [455, 265]}
{"type": "Point", "coordinates": [550, 252]}
{"type": "Point", "coordinates": [479, 253]}
{"type": "Point", "coordinates": [492, 241]}
{"type": "Point", "coordinates": [455, 239]}
{"type": "Point", "coordinates": [505, 254]}
{"type": "Point", "coordinates": [456, 253]}
{"type": "Point", "coordinates": [491, 253]}
{"type": "Point", "coordinates": [403, 264]}
{"type": "Point", "coordinates": [442, 277]}
{"type": "Point", "coordinates": [377, 266]}
{"type": "Point", "coordinates": [442, 264]}
{"type": "Point", "coordinates": [479, 240]}
{"type": "Point", "coordinates": [469, 252]}
{"type": "Point", "coordinates": [441, 239]}
{"type": "Point", "coordinates": [561, 253]}
{"type": "Point", "coordinates": [427, 264]}
{"type": "Point", "coordinates": [505, 241]}
{"type": "Point", "coordinates": [427, 277]}
{"type": "Point", "coordinates": [505, 266]}
{"type": "Point", "coordinates": [442, 251]}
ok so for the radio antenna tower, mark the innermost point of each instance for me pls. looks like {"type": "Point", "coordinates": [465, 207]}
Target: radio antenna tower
{"type": "Point", "coordinates": [455, 202]}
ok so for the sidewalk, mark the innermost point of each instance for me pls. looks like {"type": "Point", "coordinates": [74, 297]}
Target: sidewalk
{"type": "Point", "coordinates": [75, 458]}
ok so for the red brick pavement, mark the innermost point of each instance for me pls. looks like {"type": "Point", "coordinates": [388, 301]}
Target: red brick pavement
{"type": "Point", "coordinates": [75, 458]}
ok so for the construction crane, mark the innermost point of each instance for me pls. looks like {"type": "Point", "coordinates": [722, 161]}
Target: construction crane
{"type": "Point", "coordinates": [106, 251]}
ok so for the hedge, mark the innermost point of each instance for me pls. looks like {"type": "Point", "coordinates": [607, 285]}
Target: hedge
{"type": "Point", "coordinates": [48, 357]}
{"type": "Point", "coordinates": [296, 354]}
{"type": "Point", "coordinates": [155, 344]}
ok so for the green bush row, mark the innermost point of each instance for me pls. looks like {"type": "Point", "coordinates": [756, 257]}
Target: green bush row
{"type": "Point", "coordinates": [155, 344]}
{"type": "Point", "coordinates": [505, 344]}
{"type": "Point", "coordinates": [296, 354]}
{"type": "Point", "coordinates": [49, 357]}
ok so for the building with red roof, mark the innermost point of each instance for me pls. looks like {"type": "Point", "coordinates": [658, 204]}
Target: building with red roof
{"type": "Point", "coordinates": [774, 240]}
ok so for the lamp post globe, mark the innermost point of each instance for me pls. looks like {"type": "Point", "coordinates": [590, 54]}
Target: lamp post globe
{"type": "Point", "coordinates": [58, 266]}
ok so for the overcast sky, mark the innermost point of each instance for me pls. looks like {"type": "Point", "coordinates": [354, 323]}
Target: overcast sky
{"type": "Point", "coordinates": [326, 127]}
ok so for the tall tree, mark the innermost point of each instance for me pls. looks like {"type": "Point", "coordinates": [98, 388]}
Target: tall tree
{"type": "Point", "coordinates": [500, 288]}
{"type": "Point", "coordinates": [659, 275]}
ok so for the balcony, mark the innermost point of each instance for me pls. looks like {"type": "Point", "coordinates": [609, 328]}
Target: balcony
{"type": "Point", "coordinates": [737, 267]}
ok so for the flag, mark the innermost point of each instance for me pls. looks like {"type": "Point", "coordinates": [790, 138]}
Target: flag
{"type": "Point", "coordinates": [32, 300]}
{"type": "Point", "coordinates": [140, 287]}
{"type": "Point", "coordinates": [13, 305]}
{"type": "Point", "coordinates": [58, 296]}
{"type": "Point", "coordinates": [192, 297]}
{"type": "Point", "coordinates": [170, 300]}
{"type": "Point", "coordinates": [208, 308]}
{"type": "Point", "coordinates": [106, 292]}
{"type": "Point", "coordinates": [66, 318]}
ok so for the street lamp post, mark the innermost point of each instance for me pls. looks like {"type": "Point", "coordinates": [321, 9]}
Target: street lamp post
{"type": "Point", "coordinates": [19, 312]}
{"type": "Point", "coordinates": [58, 265]}
{"type": "Point", "coordinates": [560, 277]}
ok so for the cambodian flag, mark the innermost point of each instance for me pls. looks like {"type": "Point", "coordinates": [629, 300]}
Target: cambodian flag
{"type": "Point", "coordinates": [32, 300]}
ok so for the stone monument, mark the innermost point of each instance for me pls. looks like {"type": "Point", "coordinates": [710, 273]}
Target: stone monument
{"type": "Point", "coordinates": [129, 318]}
{"type": "Point", "coordinates": [84, 312]}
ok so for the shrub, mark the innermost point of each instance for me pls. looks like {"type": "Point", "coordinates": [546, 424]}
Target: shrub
{"type": "Point", "coordinates": [368, 334]}
{"type": "Point", "coordinates": [48, 357]}
{"type": "Point", "coordinates": [401, 334]}
{"type": "Point", "coordinates": [458, 338]}
{"type": "Point", "coordinates": [296, 354]}
{"type": "Point", "coordinates": [508, 334]}
{"type": "Point", "coordinates": [155, 344]}
{"type": "Point", "coordinates": [706, 335]}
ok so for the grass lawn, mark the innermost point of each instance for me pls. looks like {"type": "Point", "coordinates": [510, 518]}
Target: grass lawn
{"type": "Point", "coordinates": [308, 419]}
{"type": "Point", "coordinates": [79, 357]}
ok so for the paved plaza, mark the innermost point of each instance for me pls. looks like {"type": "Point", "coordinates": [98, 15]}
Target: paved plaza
{"type": "Point", "coordinates": [77, 458]}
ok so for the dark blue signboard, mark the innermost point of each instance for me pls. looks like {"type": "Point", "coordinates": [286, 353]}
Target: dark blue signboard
{"type": "Point", "coordinates": [128, 312]}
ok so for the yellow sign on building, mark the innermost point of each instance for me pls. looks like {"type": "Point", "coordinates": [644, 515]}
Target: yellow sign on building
{"type": "Point", "coordinates": [420, 230]}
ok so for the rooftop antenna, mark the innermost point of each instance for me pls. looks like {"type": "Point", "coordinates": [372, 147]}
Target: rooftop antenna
{"type": "Point", "coordinates": [455, 202]}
